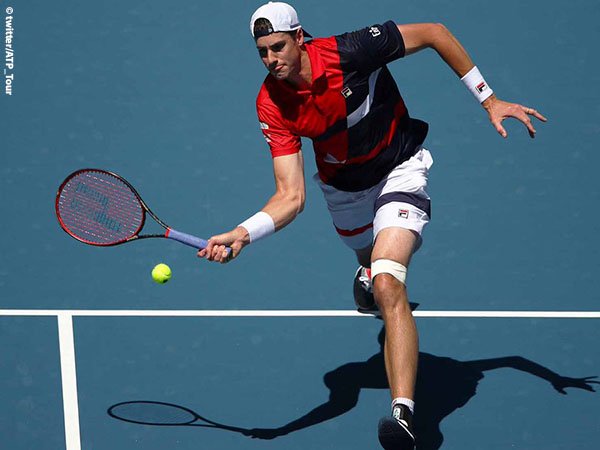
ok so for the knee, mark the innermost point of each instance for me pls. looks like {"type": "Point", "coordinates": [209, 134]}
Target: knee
{"type": "Point", "coordinates": [390, 294]}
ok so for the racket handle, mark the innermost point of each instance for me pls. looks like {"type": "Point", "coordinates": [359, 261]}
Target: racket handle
{"type": "Point", "coordinates": [188, 239]}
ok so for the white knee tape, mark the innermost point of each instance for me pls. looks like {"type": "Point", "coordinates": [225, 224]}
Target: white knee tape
{"type": "Point", "coordinates": [393, 268]}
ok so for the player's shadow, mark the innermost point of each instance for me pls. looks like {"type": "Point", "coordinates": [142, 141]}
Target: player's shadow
{"type": "Point", "coordinates": [443, 385]}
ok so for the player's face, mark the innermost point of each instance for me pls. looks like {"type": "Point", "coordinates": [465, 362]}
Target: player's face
{"type": "Point", "coordinates": [281, 54]}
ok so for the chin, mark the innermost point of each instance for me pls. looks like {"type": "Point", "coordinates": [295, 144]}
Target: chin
{"type": "Point", "coordinates": [280, 76]}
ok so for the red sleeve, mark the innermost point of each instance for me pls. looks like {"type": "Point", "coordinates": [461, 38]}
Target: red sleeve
{"type": "Point", "coordinates": [280, 139]}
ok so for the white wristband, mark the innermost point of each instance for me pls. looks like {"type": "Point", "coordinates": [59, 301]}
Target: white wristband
{"type": "Point", "coordinates": [476, 84]}
{"type": "Point", "coordinates": [259, 226]}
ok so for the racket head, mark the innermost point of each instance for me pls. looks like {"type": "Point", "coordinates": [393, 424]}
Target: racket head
{"type": "Point", "coordinates": [153, 413]}
{"type": "Point", "coordinates": [100, 208]}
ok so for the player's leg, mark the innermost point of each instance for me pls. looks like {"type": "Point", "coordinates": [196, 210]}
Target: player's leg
{"type": "Point", "coordinates": [390, 261]}
{"type": "Point", "coordinates": [394, 246]}
{"type": "Point", "coordinates": [402, 210]}
{"type": "Point", "coordinates": [352, 214]}
{"type": "Point", "coordinates": [363, 255]}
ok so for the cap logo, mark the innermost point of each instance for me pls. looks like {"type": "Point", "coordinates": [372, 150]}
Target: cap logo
{"type": "Point", "coordinates": [264, 32]}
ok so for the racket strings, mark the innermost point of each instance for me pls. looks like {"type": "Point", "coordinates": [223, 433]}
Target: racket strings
{"type": "Point", "coordinates": [99, 208]}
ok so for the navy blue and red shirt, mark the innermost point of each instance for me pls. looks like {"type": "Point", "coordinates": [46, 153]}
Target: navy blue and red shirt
{"type": "Point", "coordinates": [353, 112]}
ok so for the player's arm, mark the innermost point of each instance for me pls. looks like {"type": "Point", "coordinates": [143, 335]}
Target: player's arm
{"type": "Point", "coordinates": [290, 193]}
{"type": "Point", "coordinates": [434, 35]}
{"type": "Point", "coordinates": [281, 209]}
{"type": "Point", "coordinates": [559, 382]}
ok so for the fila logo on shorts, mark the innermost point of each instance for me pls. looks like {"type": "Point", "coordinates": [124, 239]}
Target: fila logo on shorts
{"type": "Point", "coordinates": [403, 213]}
{"type": "Point", "coordinates": [374, 31]}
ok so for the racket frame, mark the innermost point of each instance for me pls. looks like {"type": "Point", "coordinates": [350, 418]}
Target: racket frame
{"type": "Point", "coordinates": [145, 209]}
{"type": "Point", "coordinates": [196, 417]}
{"type": "Point", "coordinates": [170, 233]}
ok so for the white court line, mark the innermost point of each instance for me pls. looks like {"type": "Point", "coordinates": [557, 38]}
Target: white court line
{"type": "Point", "coordinates": [69, 381]}
{"type": "Point", "coordinates": [67, 343]}
{"type": "Point", "coordinates": [294, 313]}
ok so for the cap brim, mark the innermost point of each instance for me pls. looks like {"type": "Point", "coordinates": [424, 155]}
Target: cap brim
{"type": "Point", "coordinates": [271, 31]}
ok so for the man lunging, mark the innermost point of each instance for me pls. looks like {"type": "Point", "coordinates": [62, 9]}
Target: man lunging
{"type": "Point", "coordinates": [372, 166]}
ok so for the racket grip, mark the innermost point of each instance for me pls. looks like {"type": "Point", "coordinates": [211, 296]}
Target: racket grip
{"type": "Point", "coordinates": [188, 239]}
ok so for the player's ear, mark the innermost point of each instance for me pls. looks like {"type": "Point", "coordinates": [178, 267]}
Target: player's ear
{"type": "Point", "coordinates": [300, 36]}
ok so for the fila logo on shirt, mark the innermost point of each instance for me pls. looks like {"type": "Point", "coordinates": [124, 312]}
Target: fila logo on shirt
{"type": "Point", "coordinates": [403, 213]}
{"type": "Point", "coordinates": [265, 126]}
{"type": "Point", "coordinates": [346, 92]}
{"type": "Point", "coordinates": [374, 31]}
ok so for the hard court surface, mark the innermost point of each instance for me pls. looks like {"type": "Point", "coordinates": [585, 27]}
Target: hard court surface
{"type": "Point", "coordinates": [163, 93]}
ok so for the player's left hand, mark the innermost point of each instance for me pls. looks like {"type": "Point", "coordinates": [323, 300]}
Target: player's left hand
{"type": "Point", "coordinates": [498, 110]}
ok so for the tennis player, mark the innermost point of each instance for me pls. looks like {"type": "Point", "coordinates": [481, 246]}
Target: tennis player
{"type": "Point", "coordinates": [372, 166]}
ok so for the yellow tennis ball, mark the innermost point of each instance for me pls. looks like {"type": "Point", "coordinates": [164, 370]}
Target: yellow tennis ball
{"type": "Point", "coordinates": [161, 273]}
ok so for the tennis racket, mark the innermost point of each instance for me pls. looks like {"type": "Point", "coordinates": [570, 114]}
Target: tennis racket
{"type": "Point", "coordinates": [163, 414]}
{"type": "Point", "coordinates": [101, 208]}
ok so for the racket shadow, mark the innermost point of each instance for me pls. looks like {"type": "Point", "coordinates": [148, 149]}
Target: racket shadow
{"type": "Point", "coordinates": [162, 414]}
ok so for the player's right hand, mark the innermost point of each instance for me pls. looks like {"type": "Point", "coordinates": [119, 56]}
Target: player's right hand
{"type": "Point", "coordinates": [264, 433]}
{"type": "Point", "coordinates": [216, 251]}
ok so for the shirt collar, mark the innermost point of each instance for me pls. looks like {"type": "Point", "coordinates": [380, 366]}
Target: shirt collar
{"type": "Point", "coordinates": [316, 62]}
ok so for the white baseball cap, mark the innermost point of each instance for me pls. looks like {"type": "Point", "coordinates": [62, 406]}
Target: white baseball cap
{"type": "Point", "coordinates": [283, 17]}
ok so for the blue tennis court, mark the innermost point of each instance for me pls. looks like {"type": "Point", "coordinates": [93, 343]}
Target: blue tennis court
{"type": "Point", "coordinates": [269, 347]}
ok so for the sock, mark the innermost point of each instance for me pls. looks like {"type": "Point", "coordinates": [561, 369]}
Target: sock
{"type": "Point", "coordinates": [404, 401]}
